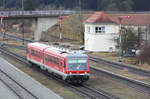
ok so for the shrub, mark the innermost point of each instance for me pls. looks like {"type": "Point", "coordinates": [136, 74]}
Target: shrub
{"type": "Point", "coordinates": [144, 57]}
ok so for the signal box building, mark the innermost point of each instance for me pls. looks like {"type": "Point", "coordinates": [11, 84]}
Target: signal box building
{"type": "Point", "coordinates": [100, 32]}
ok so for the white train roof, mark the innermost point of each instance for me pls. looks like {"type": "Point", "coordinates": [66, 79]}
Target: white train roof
{"type": "Point", "coordinates": [58, 50]}
{"type": "Point", "coordinates": [64, 51]}
{"type": "Point", "coordinates": [38, 45]}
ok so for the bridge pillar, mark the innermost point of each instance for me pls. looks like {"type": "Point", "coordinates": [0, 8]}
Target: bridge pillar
{"type": "Point", "coordinates": [42, 24]}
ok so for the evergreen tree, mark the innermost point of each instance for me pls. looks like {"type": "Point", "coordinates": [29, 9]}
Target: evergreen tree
{"type": "Point", "coordinates": [111, 5]}
{"type": "Point", "coordinates": [104, 4]}
{"type": "Point", "coordinates": [129, 40]}
{"type": "Point", "coordinates": [141, 5]}
{"type": "Point", "coordinates": [28, 5]}
{"type": "Point", "coordinates": [126, 5]}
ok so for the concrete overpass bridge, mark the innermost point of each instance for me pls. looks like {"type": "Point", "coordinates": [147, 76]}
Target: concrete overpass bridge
{"type": "Point", "coordinates": [42, 20]}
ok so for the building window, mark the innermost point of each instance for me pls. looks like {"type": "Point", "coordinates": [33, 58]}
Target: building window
{"type": "Point", "coordinates": [100, 29]}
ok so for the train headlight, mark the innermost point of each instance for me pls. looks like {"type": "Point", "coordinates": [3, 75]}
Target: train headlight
{"type": "Point", "coordinates": [85, 72]}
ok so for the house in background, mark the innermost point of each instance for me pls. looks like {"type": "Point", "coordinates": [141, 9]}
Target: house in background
{"type": "Point", "coordinates": [100, 32]}
{"type": "Point", "coordinates": [101, 29]}
{"type": "Point", "coordinates": [139, 22]}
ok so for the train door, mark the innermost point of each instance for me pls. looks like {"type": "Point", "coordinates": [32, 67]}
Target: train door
{"type": "Point", "coordinates": [41, 57]}
{"type": "Point", "coordinates": [62, 65]}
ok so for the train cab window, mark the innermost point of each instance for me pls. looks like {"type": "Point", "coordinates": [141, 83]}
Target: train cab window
{"type": "Point", "coordinates": [77, 64]}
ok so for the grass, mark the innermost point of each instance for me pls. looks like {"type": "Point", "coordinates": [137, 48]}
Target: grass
{"type": "Point", "coordinates": [113, 56]}
{"type": "Point", "coordinates": [26, 35]}
{"type": "Point", "coordinates": [72, 27]}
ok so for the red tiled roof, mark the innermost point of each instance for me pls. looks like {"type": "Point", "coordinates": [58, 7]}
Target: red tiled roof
{"type": "Point", "coordinates": [99, 17]}
{"type": "Point", "coordinates": [135, 19]}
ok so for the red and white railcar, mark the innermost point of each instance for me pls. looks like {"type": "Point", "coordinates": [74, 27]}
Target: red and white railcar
{"type": "Point", "coordinates": [35, 53]}
{"type": "Point", "coordinates": [72, 67]}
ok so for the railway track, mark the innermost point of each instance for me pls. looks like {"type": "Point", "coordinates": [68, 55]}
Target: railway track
{"type": "Point", "coordinates": [95, 93]}
{"type": "Point", "coordinates": [138, 85]}
{"type": "Point", "coordinates": [95, 59]}
{"type": "Point", "coordinates": [6, 35]}
{"type": "Point", "coordinates": [120, 66]}
{"type": "Point", "coordinates": [86, 91]}
{"type": "Point", "coordinates": [17, 88]}
{"type": "Point", "coordinates": [16, 56]}
{"type": "Point", "coordinates": [13, 46]}
{"type": "Point", "coordinates": [20, 91]}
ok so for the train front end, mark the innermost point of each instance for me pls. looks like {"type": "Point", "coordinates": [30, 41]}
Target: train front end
{"type": "Point", "coordinates": [78, 70]}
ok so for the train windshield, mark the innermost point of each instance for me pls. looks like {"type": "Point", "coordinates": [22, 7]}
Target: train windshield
{"type": "Point", "coordinates": [77, 64]}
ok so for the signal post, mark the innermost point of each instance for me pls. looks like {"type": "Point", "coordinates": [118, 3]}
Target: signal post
{"type": "Point", "coordinates": [120, 18]}
{"type": "Point", "coordinates": [60, 18]}
{"type": "Point", "coordinates": [2, 25]}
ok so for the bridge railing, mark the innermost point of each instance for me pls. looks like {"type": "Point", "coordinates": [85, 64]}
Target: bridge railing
{"type": "Point", "coordinates": [39, 13]}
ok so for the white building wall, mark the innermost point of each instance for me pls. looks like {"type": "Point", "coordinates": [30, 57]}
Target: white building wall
{"type": "Point", "coordinates": [101, 42]}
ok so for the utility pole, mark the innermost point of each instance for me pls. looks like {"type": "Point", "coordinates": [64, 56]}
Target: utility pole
{"type": "Point", "coordinates": [23, 22]}
{"type": "Point", "coordinates": [147, 35]}
{"type": "Point", "coordinates": [120, 36]}
{"type": "Point", "coordinates": [81, 20]}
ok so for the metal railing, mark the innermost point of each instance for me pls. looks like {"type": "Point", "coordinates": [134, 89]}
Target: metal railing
{"type": "Point", "coordinates": [36, 13]}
